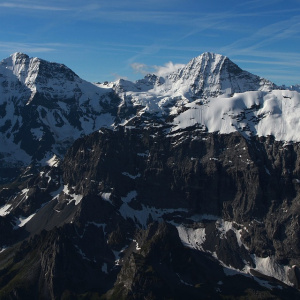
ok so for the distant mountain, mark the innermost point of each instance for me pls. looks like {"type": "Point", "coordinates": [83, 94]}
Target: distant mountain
{"type": "Point", "coordinates": [174, 187]}
{"type": "Point", "coordinates": [295, 87]}
{"type": "Point", "coordinates": [45, 107]}
{"type": "Point", "coordinates": [208, 75]}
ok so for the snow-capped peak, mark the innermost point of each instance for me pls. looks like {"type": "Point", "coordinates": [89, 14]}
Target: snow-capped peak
{"type": "Point", "coordinates": [213, 74]}
{"type": "Point", "coordinates": [16, 67]}
{"type": "Point", "coordinates": [207, 61]}
{"type": "Point", "coordinates": [34, 75]}
{"type": "Point", "coordinates": [17, 56]}
{"type": "Point", "coordinates": [48, 103]}
{"type": "Point", "coordinates": [205, 76]}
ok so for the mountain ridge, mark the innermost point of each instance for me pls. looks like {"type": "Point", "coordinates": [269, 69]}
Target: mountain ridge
{"type": "Point", "coordinates": [185, 185]}
{"type": "Point", "coordinates": [47, 105]}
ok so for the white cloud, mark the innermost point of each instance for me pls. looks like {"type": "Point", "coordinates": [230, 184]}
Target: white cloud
{"type": "Point", "coordinates": [140, 68]}
{"type": "Point", "coordinates": [12, 47]}
{"type": "Point", "coordinates": [167, 68]}
{"type": "Point", "coordinates": [158, 70]}
{"type": "Point", "coordinates": [30, 48]}
{"type": "Point", "coordinates": [32, 6]}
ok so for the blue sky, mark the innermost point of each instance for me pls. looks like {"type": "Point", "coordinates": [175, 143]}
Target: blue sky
{"type": "Point", "coordinates": [106, 40]}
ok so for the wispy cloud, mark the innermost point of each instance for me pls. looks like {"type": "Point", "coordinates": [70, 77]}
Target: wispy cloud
{"type": "Point", "coordinates": [32, 6]}
{"type": "Point", "coordinates": [139, 47]}
{"type": "Point", "coordinates": [256, 4]}
{"type": "Point", "coordinates": [277, 56]}
{"type": "Point", "coordinates": [158, 70]}
{"type": "Point", "coordinates": [272, 63]}
{"type": "Point", "coordinates": [141, 16]}
{"type": "Point", "coordinates": [140, 68]}
{"type": "Point", "coordinates": [167, 68]}
{"type": "Point", "coordinates": [11, 47]}
{"type": "Point", "coordinates": [278, 32]}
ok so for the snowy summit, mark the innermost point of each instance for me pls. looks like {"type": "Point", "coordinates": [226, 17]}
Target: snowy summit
{"type": "Point", "coordinates": [45, 106]}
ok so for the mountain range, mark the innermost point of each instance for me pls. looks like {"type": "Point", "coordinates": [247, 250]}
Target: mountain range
{"type": "Point", "coordinates": [181, 186]}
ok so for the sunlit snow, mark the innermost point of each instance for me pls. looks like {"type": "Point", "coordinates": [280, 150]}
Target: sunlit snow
{"type": "Point", "coordinates": [5, 210]}
{"type": "Point", "coordinates": [261, 113]}
{"type": "Point", "coordinates": [21, 221]}
{"type": "Point", "coordinates": [74, 197]}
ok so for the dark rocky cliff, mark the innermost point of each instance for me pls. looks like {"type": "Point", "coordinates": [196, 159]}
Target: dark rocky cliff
{"type": "Point", "coordinates": [144, 197]}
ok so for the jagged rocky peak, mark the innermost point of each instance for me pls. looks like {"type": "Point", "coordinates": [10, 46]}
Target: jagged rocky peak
{"type": "Point", "coordinates": [15, 67]}
{"type": "Point", "coordinates": [151, 80]}
{"type": "Point", "coordinates": [34, 71]}
{"type": "Point", "coordinates": [16, 58]}
{"type": "Point", "coordinates": [16, 61]}
{"type": "Point", "coordinates": [206, 63]}
{"type": "Point", "coordinates": [19, 58]}
{"type": "Point", "coordinates": [213, 74]}
{"type": "Point", "coordinates": [44, 107]}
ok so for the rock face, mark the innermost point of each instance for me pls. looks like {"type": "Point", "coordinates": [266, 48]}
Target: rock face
{"type": "Point", "coordinates": [150, 208]}
{"type": "Point", "coordinates": [44, 107]}
{"type": "Point", "coordinates": [220, 198]}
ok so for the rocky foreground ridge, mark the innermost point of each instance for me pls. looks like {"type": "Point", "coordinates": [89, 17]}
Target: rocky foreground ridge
{"type": "Point", "coordinates": [150, 190]}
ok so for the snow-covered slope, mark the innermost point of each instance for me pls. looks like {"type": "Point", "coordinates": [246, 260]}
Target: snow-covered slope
{"type": "Point", "coordinates": [212, 74]}
{"type": "Point", "coordinates": [45, 106]}
{"type": "Point", "coordinates": [208, 75]}
{"type": "Point", "coordinates": [259, 113]}
{"type": "Point", "coordinates": [213, 93]}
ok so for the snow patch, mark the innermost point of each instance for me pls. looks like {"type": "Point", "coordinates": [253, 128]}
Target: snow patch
{"type": "Point", "coordinates": [24, 192]}
{"type": "Point", "coordinates": [74, 197]}
{"type": "Point", "coordinates": [5, 210]}
{"type": "Point", "coordinates": [53, 161]}
{"type": "Point", "coordinates": [118, 255]}
{"type": "Point", "coordinates": [137, 245]}
{"type": "Point", "coordinates": [268, 266]}
{"type": "Point", "coordinates": [21, 221]}
{"type": "Point", "coordinates": [3, 249]}
{"type": "Point", "coordinates": [192, 238]}
{"type": "Point", "coordinates": [225, 226]}
{"type": "Point", "coordinates": [106, 197]}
